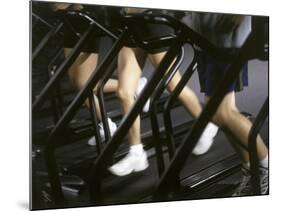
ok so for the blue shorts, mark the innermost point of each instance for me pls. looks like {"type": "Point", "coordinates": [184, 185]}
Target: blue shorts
{"type": "Point", "coordinates": [212, 71]}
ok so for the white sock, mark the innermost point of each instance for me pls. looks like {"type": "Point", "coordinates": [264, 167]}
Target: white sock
{"type": "Point", "coordinates": [210, 130]}
{"type": "Point", "coordinates": [264, 162]}
{"type": "Point", "coordinates": [136, 149]}
{"type": "Point", "coordinates": [212, 125]}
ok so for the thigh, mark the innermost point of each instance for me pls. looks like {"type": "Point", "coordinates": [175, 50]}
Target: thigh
{"type": "Point", "coordinates": [156, 58]}
{"type": "Point", "coordinates": [227, 106]}
{"type": "Point", "coordinates": [83, 67]}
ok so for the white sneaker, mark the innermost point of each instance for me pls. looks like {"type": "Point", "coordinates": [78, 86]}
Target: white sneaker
{"type": "Point", "coordinates": [112, 129]}
{"type": "Point", "coordinates": [206, 140]}
{"type": "Point", "coordinates": [132, 162]}
{"type": "Point", "coordinates": [141, 84]}
{"type": "Point", "coordinates": [245, 187]}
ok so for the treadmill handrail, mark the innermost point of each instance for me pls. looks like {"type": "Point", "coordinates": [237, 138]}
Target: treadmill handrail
{"type": "Point", "coordinates": [192, 137]}
{"type": "Point", "coordinates": [89, 18]}
{"type": "Point", "coordinates": [128, 120]}
{"type": "Point", "coordinates": [62, 69]}
{"type": "Point", "coordinates": [153, 109]}
{"type": "Point", "coordinates": [252, 146]}
{"type": "Point", "coordinates": [191, 36]}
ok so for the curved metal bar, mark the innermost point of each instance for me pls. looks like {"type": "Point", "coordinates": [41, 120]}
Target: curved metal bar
{"type": "Point", "coordinates": [252, 141]}
{"type": "Point", "coordinates": [94, 120]}
{"type": "Point", "coordinates": [133, 20]}
{"type": "Point", "coordinates": [38, 17]}
{"type": "Point", "coordinates": [105, 157]}
{"type": "Point", "coordinates": [169, 103]}
{"type": "Point", "coordinates": [52, 140]}
{"type": "Point", "coordinates": [61, 70]}
{"type": "Point", "coordinates": [100, 95]}
{"type": "Point", "coordinates": [74, 53]}
{"type": "Point", "coordinates": [189, 142]}
{"type": "Point", "coordinates": [153, 110]}
{"type": "Point", "coordinates": [54, 30]}
{"type": "Point", "coordinates": [91, 19]}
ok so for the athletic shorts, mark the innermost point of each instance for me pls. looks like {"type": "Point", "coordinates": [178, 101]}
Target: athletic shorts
{"type": "Point", "coordinates": [212, 71]}
{"type": "Point", "coordinates": [91, 46]}
{"type": "Point", "coordinates": [75, 28]}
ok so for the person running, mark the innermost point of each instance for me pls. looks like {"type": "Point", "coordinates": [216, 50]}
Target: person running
{"type": "Point", "coordinates": [229, 32]}
{"type": "Point", "coordinates": [130, 63]}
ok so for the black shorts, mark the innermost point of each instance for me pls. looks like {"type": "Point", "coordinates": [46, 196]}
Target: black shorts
{"type": "Point", "coordinates": [76, 26]}
{"type": "Point", "coordinates": [91, 46]}
{"type": "Point", "coordinates": [212, 71]}
{"type": "Point", "coordinates": [153, 31]}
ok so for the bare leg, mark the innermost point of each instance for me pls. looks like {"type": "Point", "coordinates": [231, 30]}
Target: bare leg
{"type": "Point", "coordinates": [192, 105]}
{"type": "Point", "coordinates": [111, 86]}
{"type": "Point", "coordinates": [187, 96]}
{"type": "Point", "coordinates": [81, 70]}
{"type": "Point", "coordinates": [129, 73]}
{"type": "Point", "coordinates": [229, 116]}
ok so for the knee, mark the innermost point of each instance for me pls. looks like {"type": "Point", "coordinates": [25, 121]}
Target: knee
{"type": "Point", "coordinates": [224, 116]}
{"type": "Point", "coordinates": [125, 95]}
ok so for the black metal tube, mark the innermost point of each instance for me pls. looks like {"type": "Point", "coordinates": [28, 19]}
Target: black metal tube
{"type": "Point", "coordinates": [103, 159]}
{"type": "Point", "coordinates": [54, 107]}
{"type": "Point", "coordinates": [91, 19]}
{"type": "Point", "coordinates": [58, 53]}
{"type": "Point", "coordinates": [133, 20]}
{"type": "Point", "coordinates": [169, 103]}
{"type": "Point", "coordinates": [156, 139]}
{"type": "Point", "coordinates": [71, 111]}
{"type": "Point", "coordinates": [153, 110]}
{"type": "Point", "coordinates": [191, 139]}
{"type": "Point", "coordinates": [252, 142]}
{"type": "Point", "coordinates": [100, 94]}
{"type": "Point", "coordinates": [53, 101]}
{"type": "Point", "coordinates": [62, 69]}
{"type": "Point", "coordinates": [90, 84]}
{"type": "Point", "coordinates": [56, 98]}
{"type": "Point", "coordinates": [45, 40]}
{"type": "Point", "coordinates": [54, 178]}
{"type": "Point", "coordinates": [94, 120]}
{"type": "Point", "coordinates": [35, 22]}
{"type": "Point", "coordinates": [42, 19]}
{"type": "Point", "coordinates": [59, 99]}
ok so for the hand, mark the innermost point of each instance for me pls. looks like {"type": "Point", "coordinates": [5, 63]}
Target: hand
{"type": "Point", "coordinates": [228, 23]}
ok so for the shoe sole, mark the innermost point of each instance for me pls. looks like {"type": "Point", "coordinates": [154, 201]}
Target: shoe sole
{"type": "Point", "coordinates": [127, 173]}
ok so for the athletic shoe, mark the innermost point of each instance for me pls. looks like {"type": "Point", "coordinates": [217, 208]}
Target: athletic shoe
{"type": "Point", "coordinates": [132, 162]}
{"type": "Point", "coordinates": [264, 180]}
{"type": "Point", "coordinates": [140, 86]}
{"type": "Point", "coordinates": [112, 128]}
{"type": "Point", "coordinates": [206, 140]}
{"type": "Point", "coordinates": [245, 188]}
